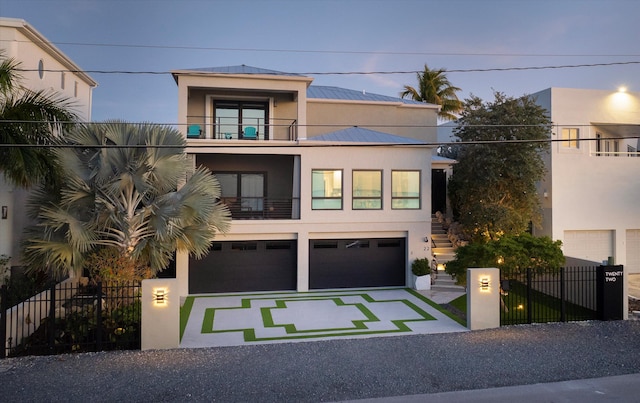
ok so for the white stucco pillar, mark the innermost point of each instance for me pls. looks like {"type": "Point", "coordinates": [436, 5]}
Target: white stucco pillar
{"type": "Point", "coordinates": [160, 314]}
{"type": "Point", "coordinates": [303, 262]}
{"type": "Point", "coordinates": [483, 298]}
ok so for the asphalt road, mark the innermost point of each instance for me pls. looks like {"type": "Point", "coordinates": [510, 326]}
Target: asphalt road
{"type": "Point", "coordinates": [391, 368]}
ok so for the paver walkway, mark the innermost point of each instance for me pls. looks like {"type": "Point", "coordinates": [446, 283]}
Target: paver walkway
{"type": "Point", "coordinates": [276, 317]}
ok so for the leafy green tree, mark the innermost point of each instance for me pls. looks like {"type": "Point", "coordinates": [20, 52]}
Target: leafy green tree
{"type": "Point", "coordinates": [512, 254]}
{"type": "Point", "coordinates": [493, 186]}
{"type": "Point", "coordinates": [28, 118]}
{"type": "Point", "coordinates": [139, 195]}
{"type": "Point", "coordinates": [434, 88]}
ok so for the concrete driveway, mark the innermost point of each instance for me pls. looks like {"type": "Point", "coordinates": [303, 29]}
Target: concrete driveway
{"type": "Point", "coordinates": [216, 320]}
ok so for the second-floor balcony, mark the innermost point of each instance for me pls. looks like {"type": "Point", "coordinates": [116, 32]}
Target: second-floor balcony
{"type": "Point", "coordinates": [262, 208]}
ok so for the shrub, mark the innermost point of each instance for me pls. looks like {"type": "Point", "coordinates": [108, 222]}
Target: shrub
{"type": "Point", "coordinates": [421, 267]}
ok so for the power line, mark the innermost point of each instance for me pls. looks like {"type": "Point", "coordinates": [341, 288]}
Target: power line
{"type": "Point", "coordinates": [303, 143]}
{"type": "Point", "coordinates": [324, 51]}
{"type": "Point", "coordinates": [319, 73]}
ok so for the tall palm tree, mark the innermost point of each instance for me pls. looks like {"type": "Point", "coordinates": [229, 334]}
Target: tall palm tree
{"type": "Point", "coordinates": [130, 187]}
{"type": "Point", "coordinates": [28, 121]}
{"type": "Point", "coordinates": [434, 88]}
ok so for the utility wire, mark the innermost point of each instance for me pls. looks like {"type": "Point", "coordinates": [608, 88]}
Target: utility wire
{"type": "Point", "coordinates": [324, 51]}
{"type": "Point", "coordinates": [310, 143]}
{"type": "Point", "coordinates": [319, 73]}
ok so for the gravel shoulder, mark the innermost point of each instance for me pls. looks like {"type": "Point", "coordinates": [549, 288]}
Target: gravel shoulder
{"type": "Point", "coordinates": [335, 369]}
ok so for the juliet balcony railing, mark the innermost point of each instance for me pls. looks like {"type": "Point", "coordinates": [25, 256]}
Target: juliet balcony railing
{"type": "Point", "coordinates": [263, 208]}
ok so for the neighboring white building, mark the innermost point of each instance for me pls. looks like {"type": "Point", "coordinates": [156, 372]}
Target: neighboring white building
{"type": "Point", "coordinates": [591, 194]}
{"type": "Point", "coordinates": [46, 68]}
{"type": "Point", "coordinates": [328, 187]}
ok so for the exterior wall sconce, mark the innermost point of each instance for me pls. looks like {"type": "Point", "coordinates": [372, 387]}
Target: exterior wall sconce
{"type": "Point", "coordinates": [5, 212]}
{"type": "Point", "coordinates": [484, 284]}
{"type": "Point", "coordinates": [426, 239]}
{"type": "Point", "coordinates": [160, 296]}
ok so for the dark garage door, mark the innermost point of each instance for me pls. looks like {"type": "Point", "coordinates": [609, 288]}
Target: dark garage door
{"type": "Point", "coordinates": [245, 266]}
{"type": "Point", "coordinates": [353, 263]}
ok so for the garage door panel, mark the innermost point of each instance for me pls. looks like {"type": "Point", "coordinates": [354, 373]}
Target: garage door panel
{"type": "Point", "coordinates": [633, 251]}
{"type": "Point", "coordinates": [245, 267]}
{"type": "Point", "coordinates": [595, 245]}
{"type": "Point", "coordinates": [356, 263]}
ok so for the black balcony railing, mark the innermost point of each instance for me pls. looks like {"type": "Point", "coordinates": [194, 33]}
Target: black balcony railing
{"type": "Point", "coordinates": [263, 208]}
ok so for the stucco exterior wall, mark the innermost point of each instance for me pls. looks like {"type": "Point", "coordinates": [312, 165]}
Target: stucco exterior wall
{"type": "Point", "coordinates": [413, 121]}
{"type": "Point", "coordinates": [414, 225]}
{"type": "Point", "coordinates": [586, 191]}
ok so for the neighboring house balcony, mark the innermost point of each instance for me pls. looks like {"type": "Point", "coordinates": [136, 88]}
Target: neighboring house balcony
{"type": "Point", "coordinates": [600, 140]}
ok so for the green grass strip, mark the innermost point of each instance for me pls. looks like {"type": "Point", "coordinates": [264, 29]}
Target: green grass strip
{"type": "Point", "coordinates": [185, 311]}
{"type": "Point", "coordinates": [450, 315]}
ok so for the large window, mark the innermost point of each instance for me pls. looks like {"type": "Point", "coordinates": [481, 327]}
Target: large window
{"type": "Point", "coordinates": [326, 189]}
{"type": "Point", "coordinates": [367, 190]}
{"type": "Point", "coordinates": [242, 192]}
{"type": "Point", "coordinates": [571, 137]}
{"type": "Point", "coordinates": [241, 120]}
{"type": "Point", "coordinates": [405, 189]}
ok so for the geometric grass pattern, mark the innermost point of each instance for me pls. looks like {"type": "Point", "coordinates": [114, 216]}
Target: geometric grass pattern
{"type": "Point", "coordinates": [237, 319]}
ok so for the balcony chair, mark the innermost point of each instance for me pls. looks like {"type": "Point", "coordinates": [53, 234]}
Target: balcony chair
{"type": "Point", "coordinates": [250, 133]}
{"type": "Point", "coordinates": [193, 131]}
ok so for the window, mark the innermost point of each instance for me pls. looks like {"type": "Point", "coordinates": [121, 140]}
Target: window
{"type": "Point", "coordinates": [571, 137]}
{"type": "Point", "coordinates": [367, 190]}
{"type": "Point", "coordinates": [75, 89]}
{"type": "Point", "coordinates": [41, 69]}
{"type": "Point", "coordinates": [242, 192]}
{"type": "Point", "coordinates": [405, 189]}
{"type": "Point", "coordinates": [62, 79]}
{"type": "Point", "coordinates": [326, 189]}
{"type": "Point", "coordinates": [611, 147]}
{"type": "Point", "coordinates": [233, 118]}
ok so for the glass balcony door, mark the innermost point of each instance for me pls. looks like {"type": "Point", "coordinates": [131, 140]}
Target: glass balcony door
{"type": "Point", "coordinates": [233, 118]}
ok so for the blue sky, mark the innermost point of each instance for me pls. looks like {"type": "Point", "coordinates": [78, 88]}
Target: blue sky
{"type": "Point", "coordinates": [305, 36]}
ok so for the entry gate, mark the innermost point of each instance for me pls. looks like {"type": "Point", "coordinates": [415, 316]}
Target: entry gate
{"type": "Point", "coordinates": [565, 294]}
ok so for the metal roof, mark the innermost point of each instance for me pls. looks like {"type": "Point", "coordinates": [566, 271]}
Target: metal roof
{"type": "Point", "coordinates": [243, 69]}
{"type": "Point", "coordinates": [325, 92]}
{"type": "Point", "coordinates": [362, 135]}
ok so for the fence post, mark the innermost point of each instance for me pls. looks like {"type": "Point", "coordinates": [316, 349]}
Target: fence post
{"type": "Point", "coordinates": [52, 319]}
{"type": "Point", "coordinates": [3, 320]}
{"type": "Point", "coordinates": [563, 305]}
{"type": "Point", "coordinates": [529, 297]}
{"type": "Point", "coordinates": [99, 318]}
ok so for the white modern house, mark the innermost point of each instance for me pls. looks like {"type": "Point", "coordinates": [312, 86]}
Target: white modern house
{"type": "Point", "coordinates": [328, 187]}
{"type": "Point", "coordinates": [46, 68]}
{"type": "Point", "coordinates": [591, 194]}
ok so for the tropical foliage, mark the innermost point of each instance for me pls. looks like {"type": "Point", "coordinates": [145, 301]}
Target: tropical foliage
{"type": "Point", "coordinates": [512, 254]}
{"type": "Point", "coordinates": [434, 88]}
{"type": "Point", "coordinates": [29, 120]}
{"type": "Point", "coordinates": [493, 187]}
{"type": "Point", "coordinates": [129, 188]}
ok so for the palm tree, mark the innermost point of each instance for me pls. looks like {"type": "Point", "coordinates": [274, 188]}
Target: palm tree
{"type": "Point", "coordinates": [128, 187]}
{"type": "Point", "coordinates": [435, 88]}
{"type": "Point", "coordinates": [28, 121]}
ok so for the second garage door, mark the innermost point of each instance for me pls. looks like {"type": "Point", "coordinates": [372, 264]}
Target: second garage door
{"type": "Point", "coordinates": [353, 263]}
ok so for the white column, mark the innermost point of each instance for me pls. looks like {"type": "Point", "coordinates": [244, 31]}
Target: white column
{"type": "Point", "coordinates": [483, 298]}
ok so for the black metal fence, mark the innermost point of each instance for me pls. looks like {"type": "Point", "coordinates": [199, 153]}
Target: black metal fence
{"type": "Point", "coordinates": [72, 317]}
{"type": "Point", "coordinates": [561, 295]}
{"type": "Point", "coordinates": [567, 294]}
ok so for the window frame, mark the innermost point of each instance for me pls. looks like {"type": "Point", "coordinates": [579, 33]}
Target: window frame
{"type": "Point", "coordinates": [240, 106]}
{"type": "Point", "coordinates": [355, 198]}
{"type": "Point", "coordinates": [315, 199]}
{"type": "Point", "coordinates": [235, 202]}
{"type": "Point", "coordinates": [395, 199]}
{"type": "Point", "coordinates": [568, 141]}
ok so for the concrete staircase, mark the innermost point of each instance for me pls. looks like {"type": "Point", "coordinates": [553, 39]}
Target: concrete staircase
{"type": "Point", "coordinates": [444, 251]}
